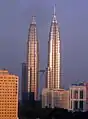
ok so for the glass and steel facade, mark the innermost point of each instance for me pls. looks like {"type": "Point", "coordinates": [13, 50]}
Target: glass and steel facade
{"type": "Point", "coordinates": [32, 60]}
{"type": "Point", "coordinates": [24, 83]}
{"type": "Point", "coordinates": [53, 73]}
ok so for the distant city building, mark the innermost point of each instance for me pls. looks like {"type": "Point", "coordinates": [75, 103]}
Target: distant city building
{"type": "Point", "coordinates": [54, 68]}
{"type": "Point", "coordinates": [8, 95]}
{"type": "Point", "coordinates": [78, 97]}
{"type": "Point", "coordinates": [24, 83]}
{"type": "Point", "coordinates": [32, 60]}
{"type": "Point", "coordinates": [55, 98]}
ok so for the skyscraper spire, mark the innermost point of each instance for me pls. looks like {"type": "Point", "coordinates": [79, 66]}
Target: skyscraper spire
{"type": "Point", "coordinates": [54, 15]}
{"type": "Point", "coordinates": [54, 10]}
{"type": "Point", "coordinates": [33, 20]}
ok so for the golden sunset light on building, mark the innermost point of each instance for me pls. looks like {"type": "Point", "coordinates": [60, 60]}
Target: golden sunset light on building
{"type": "Point", "coordinates": [32, 60]}
{"type": "Point", "coordinates": [8, 95]}
{"type": "Point", "coordinates": [53, 73]}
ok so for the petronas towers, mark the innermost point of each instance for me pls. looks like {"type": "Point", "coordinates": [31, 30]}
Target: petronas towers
{"type": "Point", "coordinates": [32, 60]}
{"type": "Point", "coordinates": [53, 68]}
{"type": "Point", "coordinates": [53, 73]}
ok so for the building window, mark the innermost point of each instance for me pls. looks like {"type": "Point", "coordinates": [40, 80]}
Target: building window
{"type": "Point", "coordinates": [71, 94]}
{"type": "Point", "coordinates": [81, 94]}
{"type": "Point", "coordinates": [71, 104]}
{"type": "Point", "coordinates": [75, 105]}
{"type": "Point", "coordinates": [76, 94]}
{"type": "Point", "coordinates": [81, 105]}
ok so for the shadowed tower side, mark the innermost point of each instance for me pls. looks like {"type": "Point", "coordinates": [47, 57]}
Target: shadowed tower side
{"type": "Point", "coordinates": [53, 71]}
{"type": "Point", "coordinates": [32, 60]}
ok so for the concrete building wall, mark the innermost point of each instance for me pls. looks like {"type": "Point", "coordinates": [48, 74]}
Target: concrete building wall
{"type": "Point", "coordinates": [55, 98]}
{"type": "Point", "coordinates": [8, 95]}
{"type": "Point", "coordinates": [78, 97]}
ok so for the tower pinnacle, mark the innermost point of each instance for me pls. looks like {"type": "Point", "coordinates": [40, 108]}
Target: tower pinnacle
{"type": "Point", "coordinates": [33, 20]}
{"type": "Point", "coordinates": [54, 10]}
{"type": "Point", "coordinates": [54, 15]}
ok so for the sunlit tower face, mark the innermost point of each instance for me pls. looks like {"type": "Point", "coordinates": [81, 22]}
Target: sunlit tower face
{"type": "Point", "coordinates": [53, 73]}
{"type": "Point", "coordinates": [32, 60]}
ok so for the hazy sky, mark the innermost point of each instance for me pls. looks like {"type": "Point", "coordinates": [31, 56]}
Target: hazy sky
{"type": "Point", "coordinates": [15, 17]}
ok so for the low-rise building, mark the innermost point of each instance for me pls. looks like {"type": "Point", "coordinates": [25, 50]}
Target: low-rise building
{"type": "Point", "coordinates": [55, 98]}
{"type": "Point", "coordinates": [78, 95]}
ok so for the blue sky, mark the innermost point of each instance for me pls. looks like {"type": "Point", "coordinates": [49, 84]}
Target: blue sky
{"type": "Point", "coordinates": [15, 17]}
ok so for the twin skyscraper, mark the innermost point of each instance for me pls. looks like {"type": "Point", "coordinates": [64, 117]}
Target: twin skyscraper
{"type": "Point", "coordinates": [53, 73]}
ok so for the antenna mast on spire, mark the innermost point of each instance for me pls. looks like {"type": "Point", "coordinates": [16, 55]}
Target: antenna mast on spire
{"type": "Point", "coordinates": [54, 14]}
{"type": "Point", "coordinates": [55, 10]}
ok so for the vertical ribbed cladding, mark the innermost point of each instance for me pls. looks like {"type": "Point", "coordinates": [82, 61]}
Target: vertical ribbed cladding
{"type": "Point", "coordinates": [33, 59]}
{"type": "Point", "coordinates": [53, 74]}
